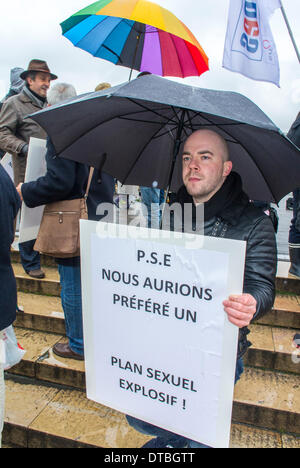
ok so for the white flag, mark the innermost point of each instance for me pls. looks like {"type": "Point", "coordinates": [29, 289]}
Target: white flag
{"type": "Point", "coordinates": [249, 45]}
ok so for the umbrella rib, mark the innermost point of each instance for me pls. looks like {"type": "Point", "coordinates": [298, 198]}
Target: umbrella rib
{"type": "Point", "coordinates": [125, 117]}
{"type": "Point", "coordinates": [142, 111]}
{"type": "Point", "coordinates": [165, 133]}
{"type": "Point", "coordinates": [152, 111]}
{"type": "Point", "coordinates": [141, 152]}
{"type": "Point", "coordinates": [142, 121]}
{"type": "Point", "coordinates": [178, 120]}
{"type": "Point", "coordinates": [181, 68]}
{"type": "Point", "coordinates": [109, 120]}
{"type": "Point", "coordinates": [189, 119]}
{"type": "Point", "coordinates": [102, 45]}
{"type": "Point", "coordinates": [111, 51]}
{"type": "Point", "coordinates": [213, 124]}
{"type": "Point", "coordinates": [91, 30]}
{"type": "Point", "coordinates": [245, 149]}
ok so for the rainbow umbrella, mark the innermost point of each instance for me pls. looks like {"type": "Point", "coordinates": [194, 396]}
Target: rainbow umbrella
{"type": "Point", "coordinates": [139, 35]}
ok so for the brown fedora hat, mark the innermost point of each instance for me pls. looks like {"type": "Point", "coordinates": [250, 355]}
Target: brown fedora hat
{"type": "Point", "coordinates": [37, 66]}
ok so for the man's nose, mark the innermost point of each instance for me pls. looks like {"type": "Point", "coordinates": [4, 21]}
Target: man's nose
{"type": "Point", "coordinates": [193, 165]}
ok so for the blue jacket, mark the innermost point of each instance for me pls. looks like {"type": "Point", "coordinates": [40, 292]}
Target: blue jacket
{"type": "Point", "coordinates": [9, 206]}
{"type": "Point", "coordinates": [67, 180]}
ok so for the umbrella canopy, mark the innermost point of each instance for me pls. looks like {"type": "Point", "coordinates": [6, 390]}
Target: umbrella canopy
{"type": "Point", "coordinates": [137, 34]}
{"type": "Point", "coordinates": [135, 132]}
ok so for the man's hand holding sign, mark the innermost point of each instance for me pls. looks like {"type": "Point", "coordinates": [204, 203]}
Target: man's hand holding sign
{"type": "Point", "coordinates": [240, 309]}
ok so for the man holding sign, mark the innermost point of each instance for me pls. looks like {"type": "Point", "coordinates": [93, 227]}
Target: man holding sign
{"type": "Point", "coordinates": [208, 179]}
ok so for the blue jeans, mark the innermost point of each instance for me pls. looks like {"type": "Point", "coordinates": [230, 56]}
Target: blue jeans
{"type": "Point", "coordinates": [152, 198]}
{"type": "Point", "coordinates": [169, 437]}
{"type": "Point", "coordinates": [30, 258]}
{"type": "Point", "coordinates": [70, 280]}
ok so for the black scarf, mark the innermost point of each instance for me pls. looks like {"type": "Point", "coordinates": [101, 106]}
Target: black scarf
{"type": "Point", "coordinates": [41, 100]}
{"type": "Point", "coordinates": [224, 203]}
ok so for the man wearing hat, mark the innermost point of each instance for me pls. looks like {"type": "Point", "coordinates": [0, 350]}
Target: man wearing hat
{"type": "Point", "coordinates": [15, 133]}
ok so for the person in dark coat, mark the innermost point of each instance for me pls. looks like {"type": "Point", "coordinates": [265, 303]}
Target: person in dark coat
{"type": "Point", "coordinates": [294, 232]}
{"type": "Point", "coordinates": [67, 180]}
{"type": "Point", "coordinates": [9, 206]}
{"type": "Point", "coordinates": [64, 180]}
{"type": "Point", "coordinates": [16, 86]}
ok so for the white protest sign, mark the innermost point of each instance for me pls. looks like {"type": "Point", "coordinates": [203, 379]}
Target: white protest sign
{"type": "Point", "coordinates": [158, 344]}
{"type": "Point", "coordinates": [6, 162]}
{"type": "Point", "coordinates": [35, 168]}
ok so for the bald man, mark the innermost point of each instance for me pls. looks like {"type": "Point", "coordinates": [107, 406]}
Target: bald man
{"type": "Point", "coordinates": [206, 164]}
{"type": "Point", "coordinates": [208, 178]}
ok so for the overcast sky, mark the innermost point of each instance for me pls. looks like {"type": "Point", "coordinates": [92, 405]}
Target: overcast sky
{"type": "Point", "coordinates": [31, 29]}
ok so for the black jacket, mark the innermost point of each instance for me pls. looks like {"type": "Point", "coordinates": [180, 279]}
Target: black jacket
{"type": "Point", "coordinates": [294, 132]}
{"type": "Point", "coordinates": [67, 180]}
{"type": "Point", "coordinates": [294, 136]}
{"type": "Point", "coordinates": [9, 206]}
{"type": "Point", "coordinates": [230, 214]}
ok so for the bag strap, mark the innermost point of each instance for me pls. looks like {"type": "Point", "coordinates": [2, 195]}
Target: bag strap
{"type": "Point", "coordinates": [89, 182]}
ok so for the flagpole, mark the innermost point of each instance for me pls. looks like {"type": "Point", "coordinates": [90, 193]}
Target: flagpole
{"type": "Point", "coordinates": [290, 31]}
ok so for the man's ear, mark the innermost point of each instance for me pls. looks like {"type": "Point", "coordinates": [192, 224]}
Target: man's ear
{"type": "Point", "coordinates": [29, 81]}
{"type": "Point", "coordinates": [227, 168]}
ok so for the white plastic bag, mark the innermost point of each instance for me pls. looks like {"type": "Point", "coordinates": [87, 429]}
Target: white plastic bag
{"type": "Point", "coordinates": [11, 352]}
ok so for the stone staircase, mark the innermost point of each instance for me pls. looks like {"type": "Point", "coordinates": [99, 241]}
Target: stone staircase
{"type": "Point", "coordinates": [46, 406]}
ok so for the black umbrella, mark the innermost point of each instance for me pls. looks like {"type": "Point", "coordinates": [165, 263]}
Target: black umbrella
{"type": "Point", "coordinates": [135, 131]}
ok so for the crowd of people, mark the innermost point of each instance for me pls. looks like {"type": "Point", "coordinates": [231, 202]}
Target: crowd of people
{"type": "Point", "coordinates": [208, 177]}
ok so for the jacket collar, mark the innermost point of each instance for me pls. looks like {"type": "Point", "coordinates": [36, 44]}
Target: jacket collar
{"type": "Point", "coordinates": [26, 96]}
{"type": "Point", "coordinates": [227, 204]}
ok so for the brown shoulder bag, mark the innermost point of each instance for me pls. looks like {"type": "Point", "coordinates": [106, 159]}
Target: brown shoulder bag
{"type": "Point", "coordinates": [59, 234]}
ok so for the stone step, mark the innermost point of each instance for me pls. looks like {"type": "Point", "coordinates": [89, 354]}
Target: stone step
{"type": "Point", "coordinates": [41, 363]}
{"type": "Point", "coordinates": [41, 313]}
{"type": "Point", "coordinates": [41, 310]}
{"type": "Point", "coordinates": [285, 313]}
{"type": "Point", "coordinates": [46, 261]}
{"type": "Point", "coordinates": [284, 284]}
{"type": "Point", "coordinates": [49, 286]}
{"type": "Point", "coordinates": [45, 313]}
{"type": "Point", "coordinates": [43, 416]}
{"type": "Point", "coordinates": [273, 353]}
{"type": "Point", "coordinates": [267, 396]}
{"type": "Point", "coordinates": [272, 347]}
{"type": "Point", "coordinates": [268, 399]}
